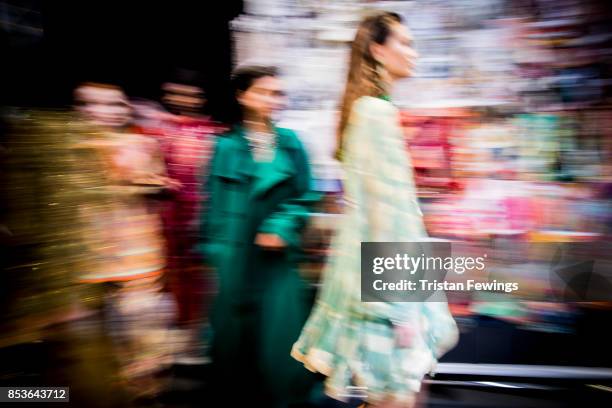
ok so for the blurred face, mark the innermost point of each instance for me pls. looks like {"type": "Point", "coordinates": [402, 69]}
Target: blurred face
{"type": "Point", "coordinates": [264, 97]}
{"type": "Point", "coordinates": [104, 106]}
{"type": "Point", "coordinates": [183, 99]}
{"type": "Point", "coordinates": [397, 54]}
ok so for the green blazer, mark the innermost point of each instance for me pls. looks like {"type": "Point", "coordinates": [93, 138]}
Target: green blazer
{"type": "Point", "coordinates": [261, 303]}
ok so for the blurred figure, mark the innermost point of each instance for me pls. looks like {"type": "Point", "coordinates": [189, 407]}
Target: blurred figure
{"type": "Point", "coordinates": [186, 137]}
{"type": "Point", "coordinates": [187, 144]}
{"type": "Point", "coordinates": [103, 105]}
{"type": "Point", "coordinates": [125, 236]}
{"type": "Point", "coordinates": [386, 348]}
{"type": "Point", "coordinates": [49, 319]}
{"type": "Point", "coordinates": [258, 203]}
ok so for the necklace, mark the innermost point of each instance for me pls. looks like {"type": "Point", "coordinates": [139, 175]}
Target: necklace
{"type": "Point", "coordinates": [262, 145]}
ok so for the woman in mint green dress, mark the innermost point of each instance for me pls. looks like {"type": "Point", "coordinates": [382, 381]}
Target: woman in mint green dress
{"type": "Point", "coordinates": [385, 348]}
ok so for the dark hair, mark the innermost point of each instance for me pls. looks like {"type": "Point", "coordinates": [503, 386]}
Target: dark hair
{"type": "Point", "coordinates": [242, 79]}
{"type": "Point", "coordinates": [186, 76]}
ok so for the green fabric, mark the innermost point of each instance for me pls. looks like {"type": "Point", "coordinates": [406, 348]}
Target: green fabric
{"type": "Point", "coordinates": [350, 341]}
{"type": "Point", "coordinates": [261, 303]}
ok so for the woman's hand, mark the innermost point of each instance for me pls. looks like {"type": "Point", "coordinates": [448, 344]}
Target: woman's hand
{"type": "Point", "coordinates": [172, 184]}
{"type": "Point", "coordinates": [270, 242]}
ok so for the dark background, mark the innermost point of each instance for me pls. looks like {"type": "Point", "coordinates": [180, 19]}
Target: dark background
{"type": "Point", "coordinates": [48, 47]}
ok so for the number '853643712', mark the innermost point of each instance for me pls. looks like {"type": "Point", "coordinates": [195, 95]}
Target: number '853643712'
{"type": "Point", "coordinates": [15, 394]}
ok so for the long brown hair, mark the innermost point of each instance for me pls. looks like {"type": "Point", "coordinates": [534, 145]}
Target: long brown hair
{"type": "Point", "coordinates": [364, 72]}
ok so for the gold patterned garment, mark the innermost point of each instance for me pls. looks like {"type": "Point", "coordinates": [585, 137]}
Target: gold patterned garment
{"type": "Point", "coordinates": [75, 214]}
{"type": "Point", "coordinates": [125, 234]}
{"type": "Point", "coordinates": [47, 177]}
{"type": "Point", "coordinates": [124, 237]}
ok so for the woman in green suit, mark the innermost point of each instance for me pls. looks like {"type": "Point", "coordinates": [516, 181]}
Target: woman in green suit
{"type": "Point", "coordinates": [258, 197]}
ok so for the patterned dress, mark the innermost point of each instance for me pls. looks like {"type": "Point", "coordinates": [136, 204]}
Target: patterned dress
{"type": "Point", "coordinates": [126, 258]}
{"type": "Point", "coordinates": [186, 144]}
{"type": "Point", "coordinates": [351, 342]}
